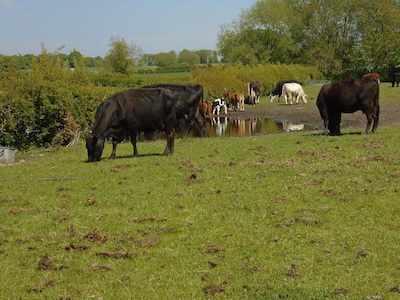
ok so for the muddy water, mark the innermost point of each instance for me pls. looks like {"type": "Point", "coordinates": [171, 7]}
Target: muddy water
{"type": "Point", "coordinates": [236, 127]}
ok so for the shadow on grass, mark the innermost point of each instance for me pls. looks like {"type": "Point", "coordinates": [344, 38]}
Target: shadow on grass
{"type": "Point", "coordinates": [128, 156]}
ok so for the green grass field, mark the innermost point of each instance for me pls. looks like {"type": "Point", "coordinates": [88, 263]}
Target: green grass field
{"type": "Point", "coordinates": [297, 215]}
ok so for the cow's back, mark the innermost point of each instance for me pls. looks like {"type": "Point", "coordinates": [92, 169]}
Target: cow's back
{"type": "Point", "coordinates": [292, 87]}
{"type": "Point", "coordinates": [348, 95]}
{"type": "Point", "coordinates": [145, 109]}
{"type": "Point", "coordinates": [188, 96]}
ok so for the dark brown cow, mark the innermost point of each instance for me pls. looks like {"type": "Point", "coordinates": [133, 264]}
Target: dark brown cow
{"type": "Point", "coordinates": [396, 79]}
{"type": "Point", "coordinates": [373, 76]}
{"type": "Point", "coordinates": [128, 113]}
{"type": "Point", "coordinates": [348, 96]}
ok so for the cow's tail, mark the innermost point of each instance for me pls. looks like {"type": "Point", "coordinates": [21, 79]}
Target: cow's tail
{"type": "Point", "coordinates": [202, 112]}
{"type": "Point", "coordinates": [377, 109]}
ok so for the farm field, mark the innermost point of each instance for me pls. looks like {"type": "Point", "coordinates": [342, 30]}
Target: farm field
{"type": "Point", "coordinates": [293, 215]}
{"type": "Point", "coordinates": [286, 215]}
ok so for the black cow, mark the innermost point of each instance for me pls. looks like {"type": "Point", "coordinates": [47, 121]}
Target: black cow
{"type": "Point", "coordinates": [278, 89]}
{"type": "Point", "coordinates": [253, 92]}
{"type": "Point", "coordinates": [396, 79]}
{"type": "Point", "coordinates": [188, 99]}
{"type": "Point", "coordinates": [348, 96]}
{"type": "Point", "coordinates": [129, 112]}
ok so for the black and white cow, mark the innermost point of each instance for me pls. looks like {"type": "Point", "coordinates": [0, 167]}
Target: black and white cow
{"type": "Point", "coordinates": [219, 104]}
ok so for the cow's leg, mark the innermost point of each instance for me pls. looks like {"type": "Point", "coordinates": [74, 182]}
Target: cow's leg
{"type": "Point", "coordinates": [334, 123]}
{"type": "Point", "coordinates": [133, 141]}
{"type": "Point", "coordinates": [114, 149]}
{"type": "Point", "coordinates": [326, 126]}
{"type": "Point", "coordinates": [376, 119]}
{"type": "Point", "coordinates": [372, 116]}
{"type": "Point", "coordinates": [169, 148]}
{"type": "Point", "coordinates": [369, 122]}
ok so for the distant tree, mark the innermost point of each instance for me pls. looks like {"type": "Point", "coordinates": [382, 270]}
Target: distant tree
{"type": "Point", "coordinates": [74, 57]}
{"type": "Point", "coordinates": [188, 57]}
{"type": "Point", "coordinates": [165, 59]}
{"type": "Point", "coordinates": [121, 58]}
{"type": "Point", "coordinates": [207, 56]}
{"type": "Point", "coordinates": [16, 62]}
{"type": "Point", "coordinates": [147, 60]}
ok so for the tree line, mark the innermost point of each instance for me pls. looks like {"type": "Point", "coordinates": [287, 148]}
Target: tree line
{"type": "Point", "coordinates": [121, 58]}
{"type": "Point", "coordinates": [341, 38]}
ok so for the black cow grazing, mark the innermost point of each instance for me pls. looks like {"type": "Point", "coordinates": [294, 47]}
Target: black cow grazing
{"type": "Point", "coordinates": [188, 99]}
{"type": "Point", "coordinates": [278, 89]}
{"type": "Point", "coordinates": [253, 92]}
{"type": "Point", "coordinates": [396, 79]}
{"type": "Point", "coordinates": [130, 112]}
{"type": "Point", "coordinates": [348, 96]}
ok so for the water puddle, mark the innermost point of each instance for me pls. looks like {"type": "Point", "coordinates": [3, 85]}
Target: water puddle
{"type": "Point", "coordinates": [232, 127]}
{"type": "Point", "coordinates": [236, 127]}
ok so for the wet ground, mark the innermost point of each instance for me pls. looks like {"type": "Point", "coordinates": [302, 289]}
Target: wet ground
{"type": "Point", "coordinates": [308, 114]}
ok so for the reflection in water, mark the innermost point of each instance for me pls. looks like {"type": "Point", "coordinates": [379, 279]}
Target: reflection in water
{"type": "Point", "coordinates": [232, 127]}
{"type": "Point", "coordinates": [236, 127]}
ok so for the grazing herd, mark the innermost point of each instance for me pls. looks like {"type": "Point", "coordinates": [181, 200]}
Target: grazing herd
{"type": "Point", "coordinates": [163, 107]}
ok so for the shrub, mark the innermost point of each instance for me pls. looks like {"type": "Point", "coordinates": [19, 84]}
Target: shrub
{"type": "Point", "coordinates": [42, 105]}
{"type": "Point", "coordinates": [218, 77]}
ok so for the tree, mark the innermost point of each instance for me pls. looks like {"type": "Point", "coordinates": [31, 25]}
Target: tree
{"type": "Point", "coordinates": [379, 25]}
{"type": "Point", "coordinates": [340, 37]}
{"type": "Point", "coordinates": [207, 56]}
{"type": "Point", "coordinates": [188, 57]}
{"type": "Point", "coordinates": [165, 59]}
{"type": "Point", "coordinates": [121, 58]}
{"type": "Point", "coordinates": [256, 37]}
{"type": "Point", "coordinates": [74, 57]}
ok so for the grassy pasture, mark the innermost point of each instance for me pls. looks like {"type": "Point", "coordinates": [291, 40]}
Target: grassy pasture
{"type": "Point", "coordinates": [294, 215]}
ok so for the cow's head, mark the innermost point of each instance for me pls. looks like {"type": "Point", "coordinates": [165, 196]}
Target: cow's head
{"type": "Point", "coordinates": [94, 146]}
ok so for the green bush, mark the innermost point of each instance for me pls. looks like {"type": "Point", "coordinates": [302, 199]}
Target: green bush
{"type": "Point", "coordinates": [46, 106]}
{"type": "Point", "coordinates": [218, 77]}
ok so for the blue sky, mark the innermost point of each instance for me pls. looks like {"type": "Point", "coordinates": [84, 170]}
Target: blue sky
{"type": "Point", "coordinates": [87, 25]}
